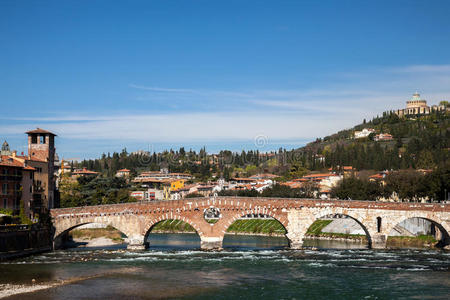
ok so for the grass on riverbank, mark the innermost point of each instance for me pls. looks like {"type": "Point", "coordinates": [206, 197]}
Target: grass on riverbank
{"type": "Point", "coordinates": [93, 233]}
{"type": "Point", "coordinates": [173, 226]}
{"type": "Point", "coordinates": [411, 241]}
{"type": "Point", "coordinates": [258, 226]}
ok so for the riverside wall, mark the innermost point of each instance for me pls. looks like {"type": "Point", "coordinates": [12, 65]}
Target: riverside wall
{"type": "Point", "coordinates": [22, 240]}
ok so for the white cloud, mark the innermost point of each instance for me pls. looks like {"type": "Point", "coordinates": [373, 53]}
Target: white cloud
{"type": "Point", "coordinates": [194, 126]}
{"type": "Point", "coordinates": [288, 114]}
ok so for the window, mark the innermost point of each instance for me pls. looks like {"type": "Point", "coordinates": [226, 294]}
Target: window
{"type": "Point", "coordinates": [378, 224]}
{"type": "Point", "coordinates": [34, 139]}
{"type": "Point", "coordinates": [5, 203]}
{"type": "Point", "coordinates": [41, 139]}
{"type": "Point", "coordinates": [5, 189]}
{"type": "Point", "coordinates": [5, 171]}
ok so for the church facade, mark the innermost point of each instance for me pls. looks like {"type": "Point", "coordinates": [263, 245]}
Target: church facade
{"type": "Point", "coordinates": [418, 106]}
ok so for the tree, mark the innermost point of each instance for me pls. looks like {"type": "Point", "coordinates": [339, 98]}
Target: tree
{"type": "Point", "coordinates": [357, 189]}
{"type": "Point", "coordinates": [407, 184]}
{"type": "Point", "coordinates": [425, 160]}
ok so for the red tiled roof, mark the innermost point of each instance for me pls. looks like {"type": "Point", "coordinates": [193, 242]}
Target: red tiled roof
{"type": "Point", "coordinates": [10, 161]}
{"type": "Point", "coordinates": [377, 176]}
{"type": "Point", "coordinates": [264, 175]}
{"type": "Point", "coordinates": [124, 170]}
{"type": "Point", "coordinates": [243, 179]}
{"type": "Point", "coordinates": [292, 184]}
{"type": "Point", "coordinates": [39, 130]}
{"type": "Point", "coordinates": [84, 171]}
{"type": "Point", "coordinates": [300, 180]}
{"type": "Point", "coordinates": [319, 175]}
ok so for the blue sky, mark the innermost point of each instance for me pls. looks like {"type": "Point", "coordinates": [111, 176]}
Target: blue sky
{"type": "Point", "coordinates": [105, 75]}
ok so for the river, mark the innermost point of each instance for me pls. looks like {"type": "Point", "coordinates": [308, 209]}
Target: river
{"type": "Point", "coordinates": [250, 267]}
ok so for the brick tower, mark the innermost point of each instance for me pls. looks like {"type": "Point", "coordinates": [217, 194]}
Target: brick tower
{"type": "Point", "coordinates": [41, 156]}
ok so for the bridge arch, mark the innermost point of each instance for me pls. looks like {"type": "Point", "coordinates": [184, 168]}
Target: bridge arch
{"type": "Point", "coordinates": [322, 215]}
{"type": "Point", "coordinates": [231, 240]}
{"type": "Point", "coordinates": [148, 228]}
{"type": "Point", "coordinates": [61, 234]}
{"type": "Point", "coordinates": [440, 224]}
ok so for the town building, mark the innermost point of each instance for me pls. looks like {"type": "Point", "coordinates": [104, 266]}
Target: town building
{"type": "Point", "coordinates": [162, 174]}
{"type": "Point", "coordinates": [123, 173]}
{"type": "Point", "coordinates": [379, 177]}
{"type": "Point", "coordinates": [83, 173]}
{"type": "Point", "coordinates": [16, 183]}
{"type": "Point", "coordinates": [41, 156]}
{"type": "Point", "coordinates": [264, 176]}
{"type": "Point", "coordinates": [418, 106]}
{"type": "Point", "coordinates": [363, 133]}
{"type": "Point", "coordinates": [383, 137]}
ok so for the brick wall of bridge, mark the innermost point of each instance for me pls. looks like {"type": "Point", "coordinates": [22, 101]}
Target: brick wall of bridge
{"type": "Point", "coordinates": [136, 219]}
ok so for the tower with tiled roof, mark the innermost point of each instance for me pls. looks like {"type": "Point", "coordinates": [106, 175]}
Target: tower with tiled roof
{"type": "Point", "coordinates": [41, 155]}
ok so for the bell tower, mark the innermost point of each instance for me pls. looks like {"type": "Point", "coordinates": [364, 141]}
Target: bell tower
{"type": "Point", "coordinates": [41, 145]}
{"type": "Point", "coordinates": [41, 156]}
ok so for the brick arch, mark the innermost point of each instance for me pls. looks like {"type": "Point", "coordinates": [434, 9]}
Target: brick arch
{"type": "Point", "coordinates": [320, 215]}
{"type": "Point", "coordinates": [65, 231]}
{"type": "Point", "coordinates": [60, 233]}
{"type": "Point", "coordinates": [153, 222]}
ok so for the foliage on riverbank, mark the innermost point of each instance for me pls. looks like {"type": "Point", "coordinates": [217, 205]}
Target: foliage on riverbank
{"type": "Point", "coordinates": [257, 226]}
{"type": "Point", "coordinates": [411, 241]}
{"type": "Point", "coordinates": [173, 226]}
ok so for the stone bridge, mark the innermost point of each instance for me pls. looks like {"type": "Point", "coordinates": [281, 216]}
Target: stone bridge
{"type": "Point", "coordinates": [136, 220]}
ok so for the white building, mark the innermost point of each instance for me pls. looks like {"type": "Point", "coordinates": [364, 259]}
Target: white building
{"type": "Point", "coordinates": [364, 133]}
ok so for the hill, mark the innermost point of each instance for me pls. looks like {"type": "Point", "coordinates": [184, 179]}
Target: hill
{"type": "Point", "coordinates": [419, 142]}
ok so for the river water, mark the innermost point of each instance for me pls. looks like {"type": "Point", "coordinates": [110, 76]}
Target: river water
{"type": "Point", "coordinates": [249, 268]}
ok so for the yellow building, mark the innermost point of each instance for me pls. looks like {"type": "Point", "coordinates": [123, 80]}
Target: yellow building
{"type": "Point", "coordinates": [175, 185]}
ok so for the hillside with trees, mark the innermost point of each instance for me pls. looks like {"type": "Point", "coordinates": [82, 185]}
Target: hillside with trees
{"type": "Point", "coordinates": [420, 142]}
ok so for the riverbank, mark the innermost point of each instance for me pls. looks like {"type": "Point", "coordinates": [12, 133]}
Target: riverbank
{"type": "Point", "coordinates": [8, 290]}
{"type": "Point", "coordinates": [420, 241]}
{"type": "Point", "coordinates": [95, 237]}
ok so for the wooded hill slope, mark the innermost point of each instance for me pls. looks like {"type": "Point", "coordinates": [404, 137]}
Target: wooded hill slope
{"type": "Point", "coordinates": [420, 142]}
